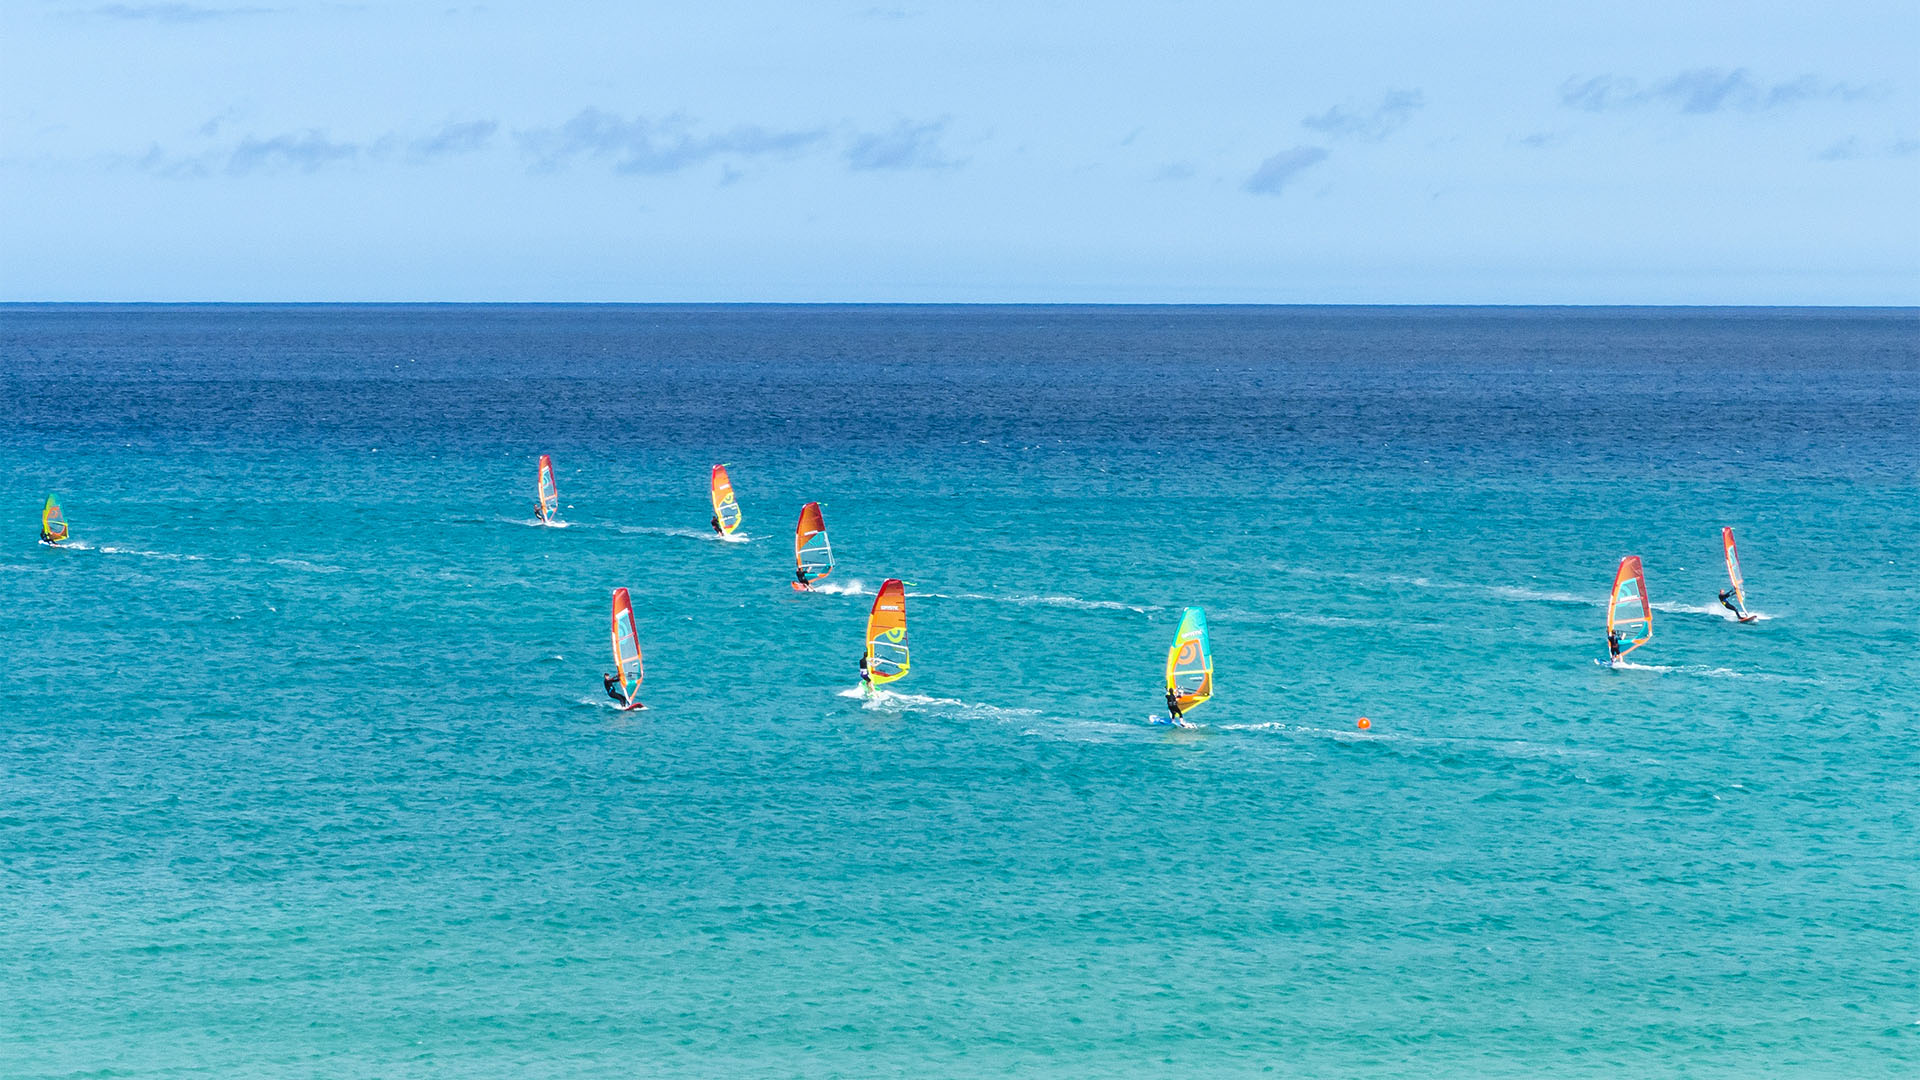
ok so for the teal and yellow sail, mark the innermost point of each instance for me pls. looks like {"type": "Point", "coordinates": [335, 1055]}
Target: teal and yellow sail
{"type": "Point", "coordinates": [1190, 663]}
{"type": "Point", "coordinates": [53, 523]}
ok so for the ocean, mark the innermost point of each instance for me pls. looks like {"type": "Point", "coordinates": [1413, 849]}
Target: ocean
{"type": "Point", "coordinates": [308, 770]}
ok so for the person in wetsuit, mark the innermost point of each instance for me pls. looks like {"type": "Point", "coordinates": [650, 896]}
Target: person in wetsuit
{"type": "Point", "coordinates": [1726, 601]}
{"type": "Point", "coordinates": [800, 575]}
{"type": "Point", "coordinates": [1173, 704]}
{"type": "Point", "coordinates": [1613, 643]}
{"type": "Point", "coordinates": [616, 691]}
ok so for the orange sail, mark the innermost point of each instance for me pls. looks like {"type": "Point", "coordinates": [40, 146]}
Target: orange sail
{"type": "Point", "coordinates": [1629, 612]}
{"type": "Point", "coordinates": [887, 657]}
{"type": "Point", "coordinates": [726, 510]}
{"type": "Point", "coordinates": [812, 554]}
{"type": "Point", "coordinates": [626, 646]}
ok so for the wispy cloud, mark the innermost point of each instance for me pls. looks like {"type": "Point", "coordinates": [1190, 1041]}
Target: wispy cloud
{"type": "Point", "coordinates": [905, 146]}
{"type": "Point", "coordinates": [1275, 173]}
{"type": "Point", "coordinates": [307, 152]}
{"type": "Point", "coordinates": [312, 150]}
{"type": "Point", "coordinates": [1852, 148]}
{"type": "Point", "coordinates": [1373, 124]}
{"type": "Point", "coordinates": [170, 13]}
{"type": "Point", "coordinates": [1701, 91]}
{"type": "Point", "coordinates": [643, 145]}
{"type": "Point", "coordinates": [1845, 150]}
{"type": "Point", "coordinates": [457, 138]}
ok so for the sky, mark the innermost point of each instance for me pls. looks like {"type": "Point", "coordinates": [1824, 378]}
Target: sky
{"type": "Point", "coordinates": [1115, 152]}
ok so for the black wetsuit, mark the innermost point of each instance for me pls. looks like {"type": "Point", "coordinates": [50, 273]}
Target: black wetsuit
{"type": "Point", "coordinates": [715, 522]}
{"type": "Point", "coordinates": [615, 690]}
{"type": "Point", "coordinates": [1727, 603]}
{"type": "Point", "coordinates": [1173, 706]}
{"type": "Point", "coordinates": [1613, 644]}
{"type": "Point", "coordinates": [801, 576]}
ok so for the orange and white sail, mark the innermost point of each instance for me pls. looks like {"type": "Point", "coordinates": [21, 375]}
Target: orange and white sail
{"type": "Point", "coordinates": [1629, 612]}
{"type": "Point", "coordinates": [1733, 570]}
{"type": "Point", "coordinates": [812, 553]}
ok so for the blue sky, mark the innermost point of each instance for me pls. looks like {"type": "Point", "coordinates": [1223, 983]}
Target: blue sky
{"type": "Point", "coordinates": [1289, 153]}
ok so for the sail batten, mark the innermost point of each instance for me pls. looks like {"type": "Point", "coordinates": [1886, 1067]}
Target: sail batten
{"type": "Point", "coordinates": [1190, 662]}
{"type": "Point", "coordinates": [887, 655]}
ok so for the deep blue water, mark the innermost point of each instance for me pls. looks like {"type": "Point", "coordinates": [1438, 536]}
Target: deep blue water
{"type": "Point", "coordinates": [307, 770]}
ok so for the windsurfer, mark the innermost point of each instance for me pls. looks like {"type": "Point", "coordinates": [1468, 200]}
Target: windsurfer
{"type": "Point", "coordinates": [715, 522]}
{"type": "Point", "coordinates": [1726, 601]}
{"type": "Point", "coordinates": [800, 575]}
{"type": "Point", "coordinates": [1613, 643]}
{"type": "Point", "coordinates": [616, 691]}
{"type": "Point", "coordinates": [1173, 704]}
{"type": "Point", "coordinates": [866, 677]}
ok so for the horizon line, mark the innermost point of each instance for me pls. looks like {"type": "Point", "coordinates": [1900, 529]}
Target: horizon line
{"type": "Point", "coordinates": [1472, 305]}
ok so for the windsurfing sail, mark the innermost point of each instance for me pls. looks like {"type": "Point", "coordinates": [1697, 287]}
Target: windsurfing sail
{"type": "Point", "coordinates": [549, 493]}
{"type": "Point", "coordinates": [626, 644]}
{"type": "Point", "coordinates": [726, 510]}
{"type": "Point", "coordinates": [1190, 661]}
{"type": "Point", "coordinates": [812, 554]}
{"type": "Point", "coordinates": [1629, 613]}
{"type": "Point", "coordinates": [1733, 567]}
{"type": "Point", "coordinates": [53, 524]}
{"type": "Point", "coordinates": [887, 633]}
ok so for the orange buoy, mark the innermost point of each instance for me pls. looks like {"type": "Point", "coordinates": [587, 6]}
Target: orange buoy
{"type": "Point", "coordinates": [1364, 724]}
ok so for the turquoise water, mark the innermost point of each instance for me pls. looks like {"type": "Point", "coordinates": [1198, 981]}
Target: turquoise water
{"type": "Point", "coordinates": [308, 770]}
